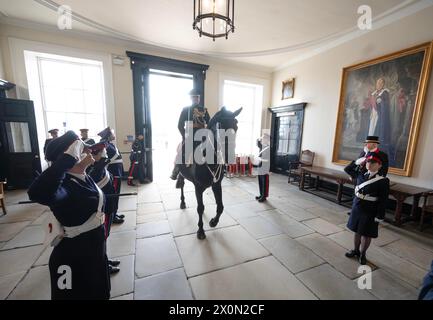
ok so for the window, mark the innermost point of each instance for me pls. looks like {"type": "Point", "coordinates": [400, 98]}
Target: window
{"type": "Point", "coordinates": [72, 94]}
{"type": "Point", "coordinates": [250, 98]}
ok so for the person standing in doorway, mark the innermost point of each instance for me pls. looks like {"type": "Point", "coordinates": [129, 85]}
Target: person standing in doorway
{"type": "Point", "coordinates": [54, 135]}
{"type": "Point", "coordinates": [136, 169]}
{"type": "Point", "coordinates": [115, 167]}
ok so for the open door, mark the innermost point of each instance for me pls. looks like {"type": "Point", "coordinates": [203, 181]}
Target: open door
{"type": "Point", "coordinates": [20, 162]}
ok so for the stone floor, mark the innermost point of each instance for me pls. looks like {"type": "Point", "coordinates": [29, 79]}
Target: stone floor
{"type": "Point", "coordinates": [291, 247]}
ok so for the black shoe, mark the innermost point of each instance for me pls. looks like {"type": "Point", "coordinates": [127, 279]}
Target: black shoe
{"type": "Point", "coordinates": [353, 254]}
{"type": "Point", "coordinates": [175, 172]}
{"type": "Point", "coordinates": [363, 260]}
{"type": "Point", "coordinates": [113, 263]}
{"type": "Point", "coordinates": [118, 220]}
{"type": "Point", "coordinates": [113, 270]}
{"type": "Point", "coordinates": [258, 197]}
{"type": "Point", "coordinates": [131, 184]}
{"type": "Point", "coordinates": [262, 199]}
{"type": "Point", "coordinates": [121, 216]}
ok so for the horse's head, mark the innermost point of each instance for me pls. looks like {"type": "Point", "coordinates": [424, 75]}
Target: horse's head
{"type": "Point", "coordinates": [225, 120]}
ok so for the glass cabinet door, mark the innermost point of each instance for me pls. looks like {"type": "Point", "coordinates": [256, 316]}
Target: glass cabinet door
{"type": "Point", "coordinates": [18, 137]}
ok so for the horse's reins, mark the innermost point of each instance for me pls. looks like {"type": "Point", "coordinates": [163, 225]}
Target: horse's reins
{"type": "Point", "coordinates": [219, 169]}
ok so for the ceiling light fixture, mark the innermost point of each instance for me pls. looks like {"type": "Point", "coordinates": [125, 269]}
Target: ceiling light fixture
{"type": "Point", "coordinates": [214, 18]}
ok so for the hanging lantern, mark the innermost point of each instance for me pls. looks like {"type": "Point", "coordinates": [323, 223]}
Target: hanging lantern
{"type": "Point", "coordinates": [214, 18]}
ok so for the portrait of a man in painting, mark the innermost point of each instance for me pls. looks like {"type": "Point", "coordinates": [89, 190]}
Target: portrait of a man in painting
{"type": "Point", "coordinates": [383, 98]}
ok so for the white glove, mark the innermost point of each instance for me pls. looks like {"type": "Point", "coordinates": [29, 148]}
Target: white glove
{"type": "Point", "coordinates": [76, 149]}
{"type": "Point", "coordinates": [378, 220]}
{"type": "Point", "coordinates": [360, 161]}
{"type": "Point", "coordinates": [104, 153]}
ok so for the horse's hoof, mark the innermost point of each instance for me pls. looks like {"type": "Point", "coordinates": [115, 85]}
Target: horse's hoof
{"type": "Point", "coordinates": [183, 206]}
{"type": "Point", "coordinates": [213, 223]}
{"type": "Point", "coordinates": [201, 235]}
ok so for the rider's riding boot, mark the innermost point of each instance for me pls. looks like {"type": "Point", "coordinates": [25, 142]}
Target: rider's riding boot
{"type": "Point", "coordinates": [175, 172]}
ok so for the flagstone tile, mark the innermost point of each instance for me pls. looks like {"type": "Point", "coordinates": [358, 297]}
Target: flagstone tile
{"type": "Point", "coordinates": [122, 283]}
{"type": "Point", "coordinates": [291, 253]}
{"type": "Point", "coordinates": [124, 297]}
{"type": "Point", "coordinates": [147, 208]}
{"type": "Point", "coordinates": [291, 227]}
{"type": "Point", "coordinates": [9, 282]}
{"type": "Point", "coordinates": [262, 279]}
{"type": "Point", "coordinates": [15, 260]}
{"type": "Point", "coordinates": [171, 285]}
{"type": "Point", "coordinates": [121, 244]}
{"type": "Point", "coordinates": [151, 217]}
{"type": "Point", "coordinates": [10, 230]}
{"type": "Point", "coordinates": [130, 222]}
{"type": "Point", "coordinates": [387, 287]}
{"type": "Point", "coordinates": [36, 285]}
{"type": "Point", "coordinates": [185, 222]}
{"type": "Point", "coordinates": [329, 284]}
{"type": "Point", "coordinates": [22, 212]}
{"type": "Point", "coordinates": [259, 227]}
{"type": "Point", "coordinates": [128, 203]}
{"type": "Point", "coordinates": [44, 257]}
{"type": "Point", "coordinates": [411, 252]}
{"type": "Point", "coordinates": [222, 248]}
{"type": "Point", "coordinates": [322, 226]}
{"type": "Point", "coordinates": [403, 269]}
{"type": "Point", "coordinates": [152, 229]}
{"type": "Point", "coordinates": [332, 253]}
{"type": "Point", "coordinates": [156, 255]}
{"type": "Point", "coordinates": [334, 217]}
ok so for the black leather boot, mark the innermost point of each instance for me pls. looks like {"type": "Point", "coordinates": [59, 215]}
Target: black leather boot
{"type": "Point", "coordinates": [175, 172]}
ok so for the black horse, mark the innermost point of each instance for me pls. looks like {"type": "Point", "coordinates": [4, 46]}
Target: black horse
{"type": "Point", "coordinates": [207, 175]}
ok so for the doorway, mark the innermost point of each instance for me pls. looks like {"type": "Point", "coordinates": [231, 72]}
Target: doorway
{"type": "Point", "coordinates": [165, 110]}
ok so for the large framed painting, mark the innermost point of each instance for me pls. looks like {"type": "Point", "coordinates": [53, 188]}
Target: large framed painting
{"type": "Point", "coordinates": [384, 97]}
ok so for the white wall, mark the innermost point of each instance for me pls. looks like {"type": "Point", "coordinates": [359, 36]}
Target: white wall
{"type": "Point", "coordinates": [318, 81]}
{"type": "Point", "coordinates": [122, 75]}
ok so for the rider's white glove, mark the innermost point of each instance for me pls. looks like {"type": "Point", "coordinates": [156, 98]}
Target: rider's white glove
{"type": "Point", "coordinates": [76, 149]}
{"type": "Point", "coordinates": [360, 161]}
{"type": "Point", "coordinates": [378, 220]}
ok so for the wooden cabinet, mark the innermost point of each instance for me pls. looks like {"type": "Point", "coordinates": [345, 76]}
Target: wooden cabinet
{"type": "Point", "coordinates": [286, 132]}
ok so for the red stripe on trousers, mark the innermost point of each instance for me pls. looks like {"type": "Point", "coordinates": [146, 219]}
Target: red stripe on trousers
{"type": "Point", "coordinates": [267, 186]}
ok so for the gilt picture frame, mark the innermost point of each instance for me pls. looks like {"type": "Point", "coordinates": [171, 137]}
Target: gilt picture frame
{"type": "Point", "coordinates": [288, 90]}
{"type": "Point", "coordinates": [384, 97]}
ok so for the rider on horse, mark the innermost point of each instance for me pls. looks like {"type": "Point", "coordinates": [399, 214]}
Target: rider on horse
{"type": "Point", "coordinates": [195, 116]}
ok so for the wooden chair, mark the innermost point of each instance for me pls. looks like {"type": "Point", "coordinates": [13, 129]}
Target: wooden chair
{"type": "Point", "coordinates": [2, 197]}
{"type": "Point", "coordinates": [426, 209]}
{"type": "Point", "coordinates": [306, 160]}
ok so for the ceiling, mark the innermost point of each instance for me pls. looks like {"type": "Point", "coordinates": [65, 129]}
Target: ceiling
{"type": "Point", "coordinates": [268, 33]}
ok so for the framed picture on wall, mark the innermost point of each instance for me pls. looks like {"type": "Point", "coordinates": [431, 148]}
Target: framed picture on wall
{"type": "Point", "coordinates": [384, 97]}
{"type": "Point", "coordinates": [288, 89]}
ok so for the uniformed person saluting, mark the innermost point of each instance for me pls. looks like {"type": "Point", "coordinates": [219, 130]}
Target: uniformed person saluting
{"type": "Point", "coordinates": [371, 144]}
{"type": "Point", "coordinates": [104, 179]}
{"type": "Point", "coordinates": [85, 137]}
{"type": "Point", "coordinates": [115, 167]}
{"type": "Point", "coordinates": [369, 204]}
{"type": "Point", "coordinates": [54, 134]}
{"type": "Point", "coordinates": [78, 264]}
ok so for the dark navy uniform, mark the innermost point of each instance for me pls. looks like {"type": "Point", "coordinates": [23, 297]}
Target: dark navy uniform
{"type": "Point", "coordinates": [115, 166]}
{"type": "Point", "coordinates": [136, 169]}
{"type": "Point", "coordinates": [426, 292]}
{"type": "Point", "coordinates": [104, 179]}
{"type": "Point", "coordinates": [73, 201]}
{"type": "Point", "coordinates": [369, 202]}
{"type": "Point", "coordinates": [89, 141]}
